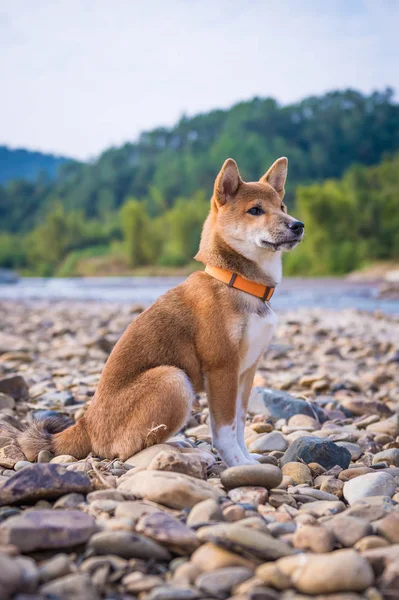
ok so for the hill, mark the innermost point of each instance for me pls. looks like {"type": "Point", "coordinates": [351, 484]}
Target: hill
{"type": "Point", "coordinates": [27, 165]}
{"type": "Point", "coordinates": [144, 203]}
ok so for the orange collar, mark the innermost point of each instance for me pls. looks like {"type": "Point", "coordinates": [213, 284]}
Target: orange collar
{"type": "Point", "coordinates": [240, 283]}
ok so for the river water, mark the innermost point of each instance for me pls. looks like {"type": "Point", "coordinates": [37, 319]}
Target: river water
{"type": "Point", "coordinates": [292, 293]}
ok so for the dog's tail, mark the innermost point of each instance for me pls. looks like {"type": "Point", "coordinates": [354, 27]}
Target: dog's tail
{"type": "Point", "coordinates": [56, 434]}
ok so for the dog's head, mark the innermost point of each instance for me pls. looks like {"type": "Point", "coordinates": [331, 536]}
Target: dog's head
{"type": "Point", "coordinates": [253, 216]}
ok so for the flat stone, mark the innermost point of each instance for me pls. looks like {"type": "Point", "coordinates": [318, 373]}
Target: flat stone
{"type": "Point", "coordinates": [249, 542]}
{"type": "Point", "coordinates": [267, 442]}
{"type": "Point", "coordinates": [277, 404]}
{"type": "Point", "coordinates": [204, 512]}
{"type": "Point", "coordinates": [77, 586]}
{"type": "Point", "coordinates": [348, 530]}
{"type": "Point", "coordinates": [169, 531]}
{"type": "Point", "coordinates": [209, 557]}
{"type": "Point", "coordinates": [388, 426]}
{"type": "Point", "coordinates": [347, 572]}
{"type": "Point", "coordinates": [371, 484]}
{"type": "Point", "coordinates": [248, 495]}
{"type": "Point", "coordinates": [135, 509]}
{"type": "Point", "coordinates": [57, 566]}
{"type": "Point", "coordinates": [323, 508]}
{"type": "Point", "coordinates": [10, 455]}
{"type": "Point", "coordinates": [221, 581]}
{"type": "Point", "coordinates": [372, 508]}
{"type": "Point", "coordinates": [42, 481]}
{"type": "Point", "coordinates": [127, 545]}
{"type": "Point", "coordinates": [43, 529]}
{"type": "Point", "coordinates": [63, 458]}
{"type": "Point", "coordinates": [315, 538]}
{"type": "Point", "coordinates": [189, 464]}
{"type": "Point", "coordinates": [313, 449]}
{"type": "Point", "coordinates": [171, 489]}
{"type": "Point", "coordinates": [171, 592]}
{"type": "Point", "coordinates": [144, 458]}
{"type": "Point", "coordinates": [267, 476]}
{"type": "Point", "coordinates": [390, 456]}
{"type": "Point", "coordinates": [14, 386]}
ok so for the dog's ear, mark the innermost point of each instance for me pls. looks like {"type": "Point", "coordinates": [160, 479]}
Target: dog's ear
{"type": "Point", "coordinates": [227, 182]}
{"type": "Point", "coordinates": [276, 175]}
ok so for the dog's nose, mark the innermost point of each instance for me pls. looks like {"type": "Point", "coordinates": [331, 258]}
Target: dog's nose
{"type": "Point", "coordinates": [296, 226]}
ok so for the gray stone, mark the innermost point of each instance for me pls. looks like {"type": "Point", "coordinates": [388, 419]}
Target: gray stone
{"type": "Point", "coordinates": [371, 484]}
{"type": "Point", "coordinates": [277, 404]}
{"type": "Point", "coordinates": [127, 545]}
{"type": "Point", "coordinates": [42, 481]}
{"type": "Point", "coordinates": [71, 587]}
{"type": "Point", "coordinates": [322, 451]}
{"type": "Point", "coordinates": [42, 529]}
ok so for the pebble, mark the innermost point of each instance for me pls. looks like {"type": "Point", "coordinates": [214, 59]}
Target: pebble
{"type": "Point", "coordinates": [371, 484]}
{"type": "Point", "coordinates": [298, 472]}
{"type": "Point", "coordinates": [210, 556]}
{"type": "Point", "coordinates": [71, 587]}
{"type": "Point", "coordinates": [43, 529]}
{"type": "Point", "coordinates": [168, 531]}
{"type": "Point", "coordinates": [205, 512]}
{"type": "Point", "coordinates": [175, 490]}
{"type": "Point", "coordinates": [221, 581]}
{"type": "Point", "coordinates": [189, 464]}
{"type": "Point", "coordinates": [348, 530]}
{"type": "Point", "coordinates": [267, 476]}
{"type": "Point", "coordinates": [390, 456]}
{"type": "Point", "coordinates": [267, 442]}
{"type": "Point", "coordinates": [127, 545]}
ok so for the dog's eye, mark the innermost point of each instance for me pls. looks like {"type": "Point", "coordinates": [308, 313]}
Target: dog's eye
{"type": "Point", "coordinates": [256, 211]}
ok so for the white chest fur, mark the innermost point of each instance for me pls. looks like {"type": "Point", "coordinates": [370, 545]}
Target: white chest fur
{"type": "Point", "coordinates": [257, 336]}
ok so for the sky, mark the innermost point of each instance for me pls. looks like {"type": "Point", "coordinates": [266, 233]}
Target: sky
{"type": "Point", "coordinates": [78, 76]}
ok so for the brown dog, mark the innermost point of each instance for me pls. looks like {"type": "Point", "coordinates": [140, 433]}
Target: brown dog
{"type": "Point", "coordinates": [203, 334]}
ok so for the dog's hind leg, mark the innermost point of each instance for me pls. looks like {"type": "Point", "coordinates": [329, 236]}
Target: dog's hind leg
{"type": "Point", "coordinates": [148, 411]}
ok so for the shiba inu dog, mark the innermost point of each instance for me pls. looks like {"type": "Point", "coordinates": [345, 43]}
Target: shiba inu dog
{"type": "Point", "coordinates": [207, 333]}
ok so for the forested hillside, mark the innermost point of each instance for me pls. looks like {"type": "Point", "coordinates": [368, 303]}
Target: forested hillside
{"type": "Point", "coordinates": [144, 203]}
{"type": "Point", "coordinates": [27, 165]}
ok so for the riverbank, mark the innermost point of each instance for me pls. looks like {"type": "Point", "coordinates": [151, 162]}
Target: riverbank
{"type": "Point", "coordinates": [172, 522]}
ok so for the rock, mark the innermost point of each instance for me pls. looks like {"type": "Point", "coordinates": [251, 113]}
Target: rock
{"type": "Point", "coordinates": [189, 464]}
{"type": "Point", "coordinates": [171, 489]}
{"type": "Point", "coordinates": [267, 442]}
{"type": "Point", "coordinates": [10, 576]}
{"type": "Point", "coordinates": [371, 484]}
{"type": "Point", "coordinates": [77, 586]}
{"type": "Point", "coordinates": [127, 545]}
{"type": "Point", "coordinates": [169, 531]}
{"type": "Point", "coordinates": [323, 508]}
{"type": "Point", "coordinates": [313, 449]}
{"type": "Point", "coordinates": [136, 583]}
{"type": "Point", "coordinates": [298, 472]}
{"type": "Point", "coordinates": [267, 476]}
{"type": "Point", "coordinates": [354, 449]}
{"type": "Point", "coordinates": [63, 398]}
{"type": "Point", "coordinates": [6, 401]}
{"type": "Point", "coordinates": [348, 530]}
{"type": "Point", "coordinates": [42, 481]}
{"type": "Point", "coordinates": [369, 542]}
{"type": "Point", "coordinates": [388, 527]}
{"type": "Point", "coordinates": [221, 581]}
{"type": "Point", "coordinates": [372, 508]}
{"type": "Point", "coordinates": [10, 455]}
{"type": "Point", "coordinates": [144, 458]}
{"type": "Point", "coordinates": [136, 509]}
{"type": "Point", "coordinates": [277, 404]}
{"type": "Point", "coordinates": [390, 456]}
{"type": "Point", "coordinates": [389, 426]}
{"type": "Point", "coordinates": [44, 456]}
{"type": "Point", "coordinates": [63, 458]}
{"type": "Point", "coordinates": [69, 501]}
{"type": "Point", "coordinates": [42, 529]}
{"type": "Point", "coordinates": [14, 386]}
{"type": "Point", "coordinates": [248, 495]}
{"type": "Point", "coordinates": [246, 541]}
{"type": "Point", "coordinates": [303, 422]}
{"type": "Point", "coordinates": [58, 566]}
{"type": "Point", "coordinates": [209, 557]}
{"type": "Point", "coordinates": [333, 486]}
{"type": "Point", "coordinates": [314, 538]}
{"type": "Point", "coordinates": [347, 572]}
{"type": "Point", "coordinates": [204, 512]}
{"type": "Point", "coordinates": [170, 592]}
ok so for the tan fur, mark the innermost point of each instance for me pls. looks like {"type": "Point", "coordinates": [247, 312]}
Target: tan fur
{"type": "Point", "coordinates": [192, 338]}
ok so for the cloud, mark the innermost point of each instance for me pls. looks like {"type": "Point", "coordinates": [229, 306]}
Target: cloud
{"type": "Point", "coordinates": [82, 75]}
